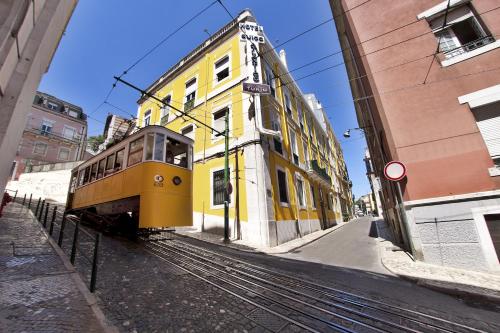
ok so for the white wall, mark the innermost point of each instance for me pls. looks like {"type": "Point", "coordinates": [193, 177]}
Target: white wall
{"type": "Point", "coordinates": [51, 185]}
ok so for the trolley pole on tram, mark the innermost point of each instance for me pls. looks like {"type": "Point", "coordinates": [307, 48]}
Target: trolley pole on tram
{"type": "Point", "coordinates": [226, 180]}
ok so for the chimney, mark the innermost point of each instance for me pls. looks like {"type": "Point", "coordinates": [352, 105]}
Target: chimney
{"type": "Point", "coordinates": [283, 58]}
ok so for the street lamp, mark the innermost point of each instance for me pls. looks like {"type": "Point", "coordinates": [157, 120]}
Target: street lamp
{"type": "Point", "coordinates": [347, 134]}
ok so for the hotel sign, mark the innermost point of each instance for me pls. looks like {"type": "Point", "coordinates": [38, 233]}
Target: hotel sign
{"type": "Point", "coordinates": [256, 88]}
{"type": "Point", "coordinates": [251, 32]}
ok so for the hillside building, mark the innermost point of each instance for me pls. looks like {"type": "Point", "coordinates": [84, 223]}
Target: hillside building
{"type": "Point", "coordinates": [286, 168]}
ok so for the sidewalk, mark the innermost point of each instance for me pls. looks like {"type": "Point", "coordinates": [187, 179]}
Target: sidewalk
{"type": "Point", "coordinates": [446, 279]}
{"type": "Point", "coordinates": [243, 246]}
{"type": "Point", "coordinates": [39, 289]}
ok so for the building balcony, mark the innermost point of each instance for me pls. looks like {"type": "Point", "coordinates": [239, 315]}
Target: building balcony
{"type": "Point", "coordinates": [164, 120]}
{"type": "Point", "coordinates": [468, 47]}
{"type": "Point", "coordinates": [53, 136]}
{"type": "Point", "coordinates": [188, 105]}
{"type": "Point", "coordinates": [317, 173]}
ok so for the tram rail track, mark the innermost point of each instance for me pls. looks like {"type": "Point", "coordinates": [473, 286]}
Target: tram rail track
{"type": "Point", "coordinates": [316, 307]}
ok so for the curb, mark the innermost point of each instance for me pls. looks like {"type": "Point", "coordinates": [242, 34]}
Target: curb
{"type": "Point", "coordinates": [80, 284]}
{"type": "Point", "coordinates": [255, 250]}
{"type": "Point", "coordinates": [451, 288]}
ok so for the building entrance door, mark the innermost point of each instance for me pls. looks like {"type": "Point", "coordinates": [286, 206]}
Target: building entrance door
{"type": "Point", "coordinates": [493, 224]}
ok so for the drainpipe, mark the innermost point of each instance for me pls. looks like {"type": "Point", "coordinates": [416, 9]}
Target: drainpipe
{"type": "Point", "coordinates": [258, 119]}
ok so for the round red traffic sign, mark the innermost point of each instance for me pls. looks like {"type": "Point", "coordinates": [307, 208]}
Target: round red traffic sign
{"type": "Point", "coordinates": [395, 171]}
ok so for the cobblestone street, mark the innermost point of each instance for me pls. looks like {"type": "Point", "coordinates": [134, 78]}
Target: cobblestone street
{"type": "Point", "coordinates": [37, 292]}
{"type": "Point", "coordinates": [142, 290]}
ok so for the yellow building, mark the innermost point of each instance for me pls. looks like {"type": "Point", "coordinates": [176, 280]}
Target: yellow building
{"type": "Point", "coordinates": [286, 167]}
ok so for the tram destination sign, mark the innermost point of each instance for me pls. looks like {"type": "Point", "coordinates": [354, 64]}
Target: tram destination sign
{"type": "Point", "coordinates": [256, 88]}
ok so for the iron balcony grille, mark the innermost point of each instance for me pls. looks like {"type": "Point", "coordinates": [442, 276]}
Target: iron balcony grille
{"type": "Point", "coordinates": [469, 47]}
{"type": "Point", "coordinates": [188, 105]}
{"type": "Point", "coordinates": [321, 172]}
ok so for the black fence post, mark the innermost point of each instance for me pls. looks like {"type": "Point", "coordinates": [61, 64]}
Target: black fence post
{"type": "Point", "coordinates": [37, 206]}
{"type": "Point", "coordinates": [40, 213]}
{"type": "Point", "coordinates": [29, 201]}
{"type": "Point", "coordinates": [46, 213]}
{"type": "Point", "coordinates": [53, 219]}
{"type": "Point", "coordinates": [61, 231]}
{"type": "Point", "coordinates": [75, 240]}
{"type": "Point", "coordinates": [94, 263]}
{"type": "Point", "coordinates": [24, 199]}
{"type": "Point", "coordinates": [15, 196]}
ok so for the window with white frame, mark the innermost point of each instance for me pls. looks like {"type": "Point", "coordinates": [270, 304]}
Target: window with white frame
{"type": "Point", "coordinates": [73, 113]}
{"type": "Point", "coordinates": [288, 102]}
{"type": "Point", "coordinates": [276, 126]}
{"type": "Point", "coordinates": [313, 196]}
{"type": "Point", "coordinates": [191, 87]}
{"type": "Point", "coordinates": [40, 148]}
{"type": "Point", "coordinates": [488, 121]}
{"type": "Point", "coordinates": [63, 154]}
{"type": "Point", "coordinates": [69, 132]}
{"type": "Point", "coordinates": [294, 147]}
{"type": "Point", "coordinates": [463, 31]}
{"type": "Point", "coordinates": [282, 186]}
{"type": "Point", "coordinates": [270, 80]}
{"type": "Point", "coordinates": [306, 153]}
{"type": "Point", "coordinates": [188, 131]}
{"type": "Point", "coordinates": [301, 197]}
{"type": "Point", "coordinates": [147, 118]}
{"type": "Point", "coordinates": [46, 127]}
{"type": "Point", "coordinates": [330, 201]}
{"type": "Point", "coordinates": [221, 68]}
{"type": "Point", "coordinates": [164, 111]}
{"type": "Point", "coordinates": [218, 188]}
{"type": "Point", "coordinates": [219, 122]}
{"type": "Point", "coordinates": [52, 106]}
{"type": "Point", "coordinates": [299, 112]}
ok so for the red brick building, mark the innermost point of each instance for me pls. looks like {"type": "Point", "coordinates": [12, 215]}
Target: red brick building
{"type": "Point", "coordinates": [425, 77]}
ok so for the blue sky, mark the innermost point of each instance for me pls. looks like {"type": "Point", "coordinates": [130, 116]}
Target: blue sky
{"type": "Point", "coordinates": [105, 37]}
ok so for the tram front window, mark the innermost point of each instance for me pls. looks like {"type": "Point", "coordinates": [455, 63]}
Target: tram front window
{"type": "Point", "coordinates": [150, 141]}
{"type": "Point", "coordinates": [159, 145]}
{"type": "Point", "coordinates": [177, 153]}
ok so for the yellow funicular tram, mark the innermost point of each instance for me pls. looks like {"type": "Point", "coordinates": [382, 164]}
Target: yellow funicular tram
{"type": "Point", "coordinates": [141, 184]}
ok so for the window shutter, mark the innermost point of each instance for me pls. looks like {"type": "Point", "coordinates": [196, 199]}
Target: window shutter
{"type": "Point", "coordinates": [488, 121]}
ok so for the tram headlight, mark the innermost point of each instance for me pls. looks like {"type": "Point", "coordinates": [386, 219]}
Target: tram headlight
{"type": "Point", "coordinates": [177, 180]}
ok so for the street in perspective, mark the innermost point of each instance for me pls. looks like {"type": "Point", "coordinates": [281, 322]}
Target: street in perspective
{"type": "Point", "coordinates": [250, 166]}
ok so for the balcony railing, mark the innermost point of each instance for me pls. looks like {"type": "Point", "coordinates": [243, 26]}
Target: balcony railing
{"type": "Point", "coordinates": [188, 105]}
{"type": "Point", "coordinates": [164, 120]}
{"type": "Point", "coordinates": [53, 135]}
{"type": "Point", "coordinates": [468, 47]}
{"type": "Point", "coordinates": [315, 170]}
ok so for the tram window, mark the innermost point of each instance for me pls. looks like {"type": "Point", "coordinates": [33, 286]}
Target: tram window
{"type": "Point", "coordinates": [110, 163]}
{"type": "Point", "coordinates": [80, 177]}
{"type": "Point", "coordinates": [100, 169]}
{"type": "Point", "coordinates": [177, 153]}
{"type": "Point", "coordinates": [93, 172]}
{"type": "Point", "coordinates": [119, 160]}
{"type": "Point", "coordinates": [86, 175]}
{"type": "Point", "coordinates": [135, 151]}
{"type": "Point", "coordinates": [159, 143]}
{"type": "Point", "coordinates": [73, 182]}
{"type": "Point", "coordinates": [150, 141]}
